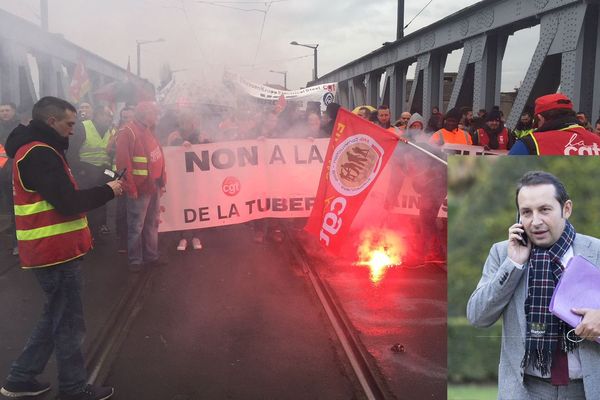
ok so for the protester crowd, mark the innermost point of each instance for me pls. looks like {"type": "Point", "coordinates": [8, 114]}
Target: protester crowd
{"type": "Point", "coordinates": [98, 153]}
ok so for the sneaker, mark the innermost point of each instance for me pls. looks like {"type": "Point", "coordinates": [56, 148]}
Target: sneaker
{"type": "Point", "coordinates": [90, 393]}
{"type": "Point", "coordinates": [197, 244]}
{"type": "Point", "coordinates": [121, 250]}
{"type": "Point", "coordinates": [15, 251]}
{"type": "Point", "coordinates": [182, 245]}
{"type": "Point", "coordinates": [104, 230]}
{"type": "Point", "coordinates": [24, 389]}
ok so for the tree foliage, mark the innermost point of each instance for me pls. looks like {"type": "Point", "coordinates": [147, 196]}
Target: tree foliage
{"type": "Point", "coordinates": [481, 207]}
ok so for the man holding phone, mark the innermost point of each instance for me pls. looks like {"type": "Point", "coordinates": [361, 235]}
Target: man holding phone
{"type": "Point", "coordinates": [519, 276]}
{"type": "Point", "coordinates": [53, 236]}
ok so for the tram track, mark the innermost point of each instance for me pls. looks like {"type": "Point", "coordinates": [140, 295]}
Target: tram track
{"type": "Point", "coordinates": [104, 349]}
{"type": "Point", "coordinates": [367, 375]}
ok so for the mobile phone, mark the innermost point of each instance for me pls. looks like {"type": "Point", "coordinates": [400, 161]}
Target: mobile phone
{"type": "Point", "coordinates": [114, 175]}
{"type": "Point", "coordinates": [523, 237]}
{"type": "Point", "coordinates": [122, 174]}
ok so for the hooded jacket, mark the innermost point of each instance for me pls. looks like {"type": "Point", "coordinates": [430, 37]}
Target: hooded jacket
{"type": "Point", "coordinates": [412, 133]}
{"type": "Point", "coordinates": [43, 171]}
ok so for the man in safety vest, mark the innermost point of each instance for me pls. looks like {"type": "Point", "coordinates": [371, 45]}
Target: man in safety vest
{"type": "Point", "coordinates": [139, 152]}
{"type": "Point", "coordinates": [53, 235]}
{"type": "Point", "coordinates": [451, 133]}
{"type": "Point", "coordinates": [94, 154]}
{"type": "Point", "coordinates": [558, 131]}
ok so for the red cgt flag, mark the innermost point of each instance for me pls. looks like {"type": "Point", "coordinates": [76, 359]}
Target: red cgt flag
{"type": "Point", "coordinates": [357, 152]}
{"type": "Point", "coordinates": [80, 84]}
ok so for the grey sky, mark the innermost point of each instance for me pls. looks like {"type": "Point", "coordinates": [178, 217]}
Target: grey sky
{"type": "Point", "coordinates": [205, 39]}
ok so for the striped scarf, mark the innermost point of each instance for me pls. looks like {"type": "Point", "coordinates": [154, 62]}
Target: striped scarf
{"type": "Point", "coordinates": [544, 329]}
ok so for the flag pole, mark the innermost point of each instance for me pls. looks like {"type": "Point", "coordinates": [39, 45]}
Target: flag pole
{"type": "Point", "coordinates": [430, 154]}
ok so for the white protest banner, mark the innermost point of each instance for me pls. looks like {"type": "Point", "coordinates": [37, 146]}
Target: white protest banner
{"type": "Point", "coordinates": [323, 93]}
{"type": "Point", "coordinates": [233, 182]}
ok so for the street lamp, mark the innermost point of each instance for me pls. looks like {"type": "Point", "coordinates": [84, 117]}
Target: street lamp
{"type": "Point", "coordinates": [284, 73]}
{"type": "Point", "coordinates": [139, 44]}
{"type": "Point", "coordinates": [310, 46]}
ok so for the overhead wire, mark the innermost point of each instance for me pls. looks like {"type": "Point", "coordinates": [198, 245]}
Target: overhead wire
{"type": "Point", "coordinates": [419, 13]}
{"type": "Point", "coordinates": [196, 38]}
{"type": "Point", "coordinates": [262, 28]}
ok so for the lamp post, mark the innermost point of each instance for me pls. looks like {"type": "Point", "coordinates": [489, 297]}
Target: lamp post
{"type": "Point", "coordinates": [284, 73]}
{"type": "Point", "coordinates": [310, 46]}
{"type": "Point", "coordinates": [139, 44]}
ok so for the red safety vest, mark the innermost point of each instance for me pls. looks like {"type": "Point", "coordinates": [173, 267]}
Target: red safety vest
{"type": "Point", "coordinates": [571, 141]}
{"type": "Point", "coordinates": [484, 139]}
{"type": "Point", "coordinates": [46, 237]}
{"type": "Point", "coordinates": [144, 162]}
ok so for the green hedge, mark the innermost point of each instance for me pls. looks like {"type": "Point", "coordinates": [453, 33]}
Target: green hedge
{"type": "Point", "coordinates": [473, 353]}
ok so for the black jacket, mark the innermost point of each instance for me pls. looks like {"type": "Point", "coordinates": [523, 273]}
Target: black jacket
{"type": "Point", "coordinates": [42, 170]}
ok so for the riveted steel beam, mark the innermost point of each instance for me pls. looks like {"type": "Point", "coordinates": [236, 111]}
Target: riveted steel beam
{"type": "Point", "coordinates": [450, 33]}
{"type": "Point", "coordinates": [19, 37]}
{"type": "Point", "coordinates": [397, 77]}
{"type": "Point", "coordinates": [553, 64]}
{"type": "Point", "coordinates": [372, 80]}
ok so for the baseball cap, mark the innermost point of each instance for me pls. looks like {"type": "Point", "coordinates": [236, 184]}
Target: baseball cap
{"type": "Point", "coordinates": [552, 102]}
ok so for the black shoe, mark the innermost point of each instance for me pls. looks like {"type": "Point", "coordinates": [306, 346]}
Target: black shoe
{"type": "Point", "coordinates": [24, 389]}
{"type": "Point", "coordinates": [90, 393]}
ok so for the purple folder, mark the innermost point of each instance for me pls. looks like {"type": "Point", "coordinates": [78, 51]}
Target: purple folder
{"type": "Point", "coordinates": [578, 287]}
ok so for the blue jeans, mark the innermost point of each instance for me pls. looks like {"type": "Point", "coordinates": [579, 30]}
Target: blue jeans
{"type": "Point", "coordinates": [142, 228]}
{"type": "Point", "coordinates": [61, 326]}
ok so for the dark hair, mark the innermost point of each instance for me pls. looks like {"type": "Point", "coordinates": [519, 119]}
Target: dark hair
{"type": "Point", "coordinates": [10, 104]}
{"type": "Point", "coordinates": [526, 112]}
{"type": "Point", "coordinates": [534, 178]}
{"type": "Point", "coordinates": [383, 107]}
{"type": "Point", "coordinates": [51, 107]}
{"type": "Point", "coordinates": [582, 113]}
{"type": "Point", "coordinates": [453, 113]}
{"type": "Point", "coordinates": [365, 108]}
{"type": "Point", "coordinates": [558, 113]}
{"type": "Point", "coordinates": [126, 108]}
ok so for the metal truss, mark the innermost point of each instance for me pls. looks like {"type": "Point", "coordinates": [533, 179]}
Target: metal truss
{"type": "Point", "coordinates": [24, 45]}
{"type": "Point", "coordinates": [566, 59]}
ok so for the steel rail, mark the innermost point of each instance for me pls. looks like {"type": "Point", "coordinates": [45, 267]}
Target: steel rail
{"type": "Point", "coordinates": [101, 353]}
{"type": "Point", "coordinates": [373, 387]}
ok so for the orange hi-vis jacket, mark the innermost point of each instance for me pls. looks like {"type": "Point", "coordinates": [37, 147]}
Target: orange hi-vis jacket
{"type": "Point", "coordinates": [457, 136]}
{"type": "Point", "coordinates": [45, 237]}
{"type": "Point", "coordinates": [3, 156]}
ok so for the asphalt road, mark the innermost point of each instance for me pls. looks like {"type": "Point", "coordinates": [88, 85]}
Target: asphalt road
{"type": "Point", "coordinates": [235, 320]}
{"type": "Point", "coordinates": [238, 320]}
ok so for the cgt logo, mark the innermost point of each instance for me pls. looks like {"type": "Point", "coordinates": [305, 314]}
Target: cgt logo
{"type": "Point", "coordinates": [231, 186]}
{"type": "Point", "coordinates": [332, 220]}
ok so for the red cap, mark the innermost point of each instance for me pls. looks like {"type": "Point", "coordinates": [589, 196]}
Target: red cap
{"type": "Point", "coordinates": [552, 102]}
